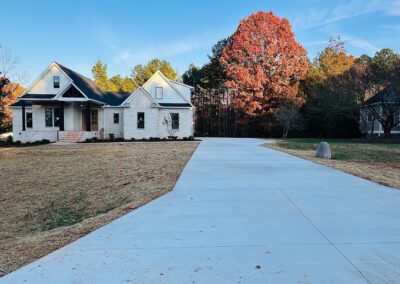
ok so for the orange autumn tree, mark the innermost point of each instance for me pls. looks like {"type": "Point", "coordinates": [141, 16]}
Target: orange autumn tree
{"type": "Point", "coordinates": [264, 65]}
{"type": "Point", "coordinates": [8, 95]}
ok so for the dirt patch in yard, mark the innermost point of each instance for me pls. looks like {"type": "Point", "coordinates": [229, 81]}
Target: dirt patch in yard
{"type": "Point", "coordinates": [52, 195]}
{"type": "Point", "coordinates": [378, 162]}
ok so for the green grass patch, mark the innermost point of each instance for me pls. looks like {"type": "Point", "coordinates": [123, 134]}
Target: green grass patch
{"type": "Point", "coordinates": [359, 150]}
{"type": "Point", "coordinates": [112, 205]}
{"type": "Point", "coordinates": [62, 217]}
{"type": "Point", "coordinates": [340, 156]}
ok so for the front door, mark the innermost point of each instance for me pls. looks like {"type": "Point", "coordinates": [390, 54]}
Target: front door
{"type": "Point", "coordinates": [94, 120]}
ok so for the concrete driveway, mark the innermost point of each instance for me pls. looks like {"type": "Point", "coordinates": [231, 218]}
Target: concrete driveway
{"type": "Point", "coordinates": [241, 213]}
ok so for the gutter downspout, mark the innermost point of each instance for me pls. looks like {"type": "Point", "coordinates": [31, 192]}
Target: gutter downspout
{"type": "Point", "coordinates": [104, 122]}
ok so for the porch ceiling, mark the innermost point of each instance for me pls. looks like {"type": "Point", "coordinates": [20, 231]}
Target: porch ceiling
{"type": "Point", "coordinates": [38, 96]}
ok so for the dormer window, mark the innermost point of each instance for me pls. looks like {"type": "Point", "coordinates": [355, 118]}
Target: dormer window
{"type": "Point", "coordinates": [56, 82]}
{"type": "Point", "coordinates": [159, 93]}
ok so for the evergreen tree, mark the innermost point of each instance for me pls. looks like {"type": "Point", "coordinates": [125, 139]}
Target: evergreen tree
{"type": "Point", "coordinates": [100, 76]}
{"type": "Point", "coordinates": [329, 112]}
{"type": "Point", "coordinates": [125, 84]}
{"type": "Point", "coordinates": [141, 74]}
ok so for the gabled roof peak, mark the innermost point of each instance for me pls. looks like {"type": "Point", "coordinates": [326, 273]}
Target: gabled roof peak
{"type": "Point", "coordinates": [86, 86]}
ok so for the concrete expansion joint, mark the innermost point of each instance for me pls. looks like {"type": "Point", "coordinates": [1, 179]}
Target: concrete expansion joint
{"type": "Point", "coordinates": [323, 235]}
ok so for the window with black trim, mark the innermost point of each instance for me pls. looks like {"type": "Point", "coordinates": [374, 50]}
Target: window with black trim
{"type": "Point", "coordinates": [52, 116]}
{"type": "Point", "coordinates": [29, 120]}
{"type": "Point", "coordinates": [57, 116]}
{"type": "Point", "coordinates": [396, 119]}
{"type": "Point", "coordinates": [48, 116]}
{"type": "Point", "coordinates": [56, 82]}
{"type": "Point", "coordinates": [140, 120]}
{"type": "Point", "coordinates": [116, 118]}
{"type": "Point", "coordinates": [94, 117]}
{"type": "Point", "coordinates": [159, 93]}
{"type": "Point", "coordinates": [175, 120]}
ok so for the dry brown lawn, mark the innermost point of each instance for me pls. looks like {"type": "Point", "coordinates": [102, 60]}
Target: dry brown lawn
{"type": "Point", "coordinates": [52, 195]}
{"type": "Point", "coordinates": [378, 162]}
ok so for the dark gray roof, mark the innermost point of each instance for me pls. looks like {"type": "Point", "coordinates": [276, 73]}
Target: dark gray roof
{"type": "Point", "coordinates": [92, 91]}
{"type": "Point", "coordinates": [174, 104]}
{"type": "Point", "coordinates": [388, 94]}
{"type": "Point", "coordinates": [19, 103]}
{"type": "Point", "coordinates": [39, 96]}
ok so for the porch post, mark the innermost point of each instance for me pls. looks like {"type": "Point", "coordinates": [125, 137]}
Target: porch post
{"type": "Point", "coordinates": [61, 116]}
{"type": "Point", "coordinates": [23, 116]}
{"type": "Point", "coordinates": [88, 116]}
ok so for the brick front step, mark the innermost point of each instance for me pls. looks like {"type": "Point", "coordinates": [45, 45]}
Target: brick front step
{"type": "Point", "coordinates": [70, 137]}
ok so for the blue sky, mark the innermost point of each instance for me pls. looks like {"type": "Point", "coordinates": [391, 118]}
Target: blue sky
{"type": "Point", "coordinates": [125, 33]}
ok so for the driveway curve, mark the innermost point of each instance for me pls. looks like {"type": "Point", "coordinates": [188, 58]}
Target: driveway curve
{"type": "Point", "coordinates": [241, 213]}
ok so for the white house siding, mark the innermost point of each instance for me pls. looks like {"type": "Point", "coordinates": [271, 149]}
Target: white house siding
{"type": "Point", "coordinates": [37, 132]}
{"type": "Point", "coordinates": [140, 102]}
{"type": "Point", "coordinates": [77, 117]}
{"type": "Point", "coordinates": [185, 91]}
{"type": "Point", "coordinates": [169, 94]}
{"type": "Point", "coordinates": [73, 116]}
{"type": "Point", "coordinates": [109, 126]}
{"type": "Point", "coordinates": [185, 122]}
{"type": "Point", "coordinates": [32, 136]}
{"type": "Point", "coordinates": [45, 84]}
{"type": "Point", "coordinates": [17, 123]}
{"type": "Point", "coordinates": [100, 117]}
{"type": "Point", "coordinates": [38, 118]}
{"type": "Point", "coordinates": [69, 120]}
{"type": "Point", "coordinates": [366, 126]}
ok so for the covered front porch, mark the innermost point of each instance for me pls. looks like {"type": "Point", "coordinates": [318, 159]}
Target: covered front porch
{"type": "Point", "coordinates": [68, 121]}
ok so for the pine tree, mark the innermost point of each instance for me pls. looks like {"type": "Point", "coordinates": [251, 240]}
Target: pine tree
{"type": "Point", "coordinates": [100, 76]}
{"type": "Point", "coordinates": [141, 74]}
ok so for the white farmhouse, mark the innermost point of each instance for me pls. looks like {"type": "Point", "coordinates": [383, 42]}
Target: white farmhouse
{"type": "Point", "coordinates": [62, 105]}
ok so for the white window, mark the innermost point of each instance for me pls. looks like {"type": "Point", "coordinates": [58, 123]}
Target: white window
{"type": "Point", "coordinates": [159, 93]}
{"type": "Point", "coordinates": [56, 82]}
{"type": "Point", "coordinates": [370, 116]}
{"type": "Point", "coordinates": [52, 117]}
{"type": "Point", "coordinates": [397, 118]}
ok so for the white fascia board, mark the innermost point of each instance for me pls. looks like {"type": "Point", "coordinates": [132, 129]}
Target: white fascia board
{"type": "Point", "coordinates": [120, 106]}
{"type": "Point", "coordinates": [37, 79]}
{"type": "Point", "coordinates": [61, 93]}
{"type": "Point", "coordinates": [169, 83]}
{"type": "Point", "coordinates": [42, 75]}
{"type": "Point", "coordinates": [168, 107]}
{"type": "Point", "coordinates": [131, 96]}
{"type": "Point", "coordinates": [182, 84]}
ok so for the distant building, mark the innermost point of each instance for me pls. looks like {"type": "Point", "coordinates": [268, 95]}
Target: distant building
{"type": "Point", "coordinates": [384, 100]}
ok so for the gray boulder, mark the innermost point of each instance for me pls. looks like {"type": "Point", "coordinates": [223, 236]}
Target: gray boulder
{"type": "Point", "coordinates": [324, 151]}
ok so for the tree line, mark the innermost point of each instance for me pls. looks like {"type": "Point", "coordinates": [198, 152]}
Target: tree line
{"type": "Point", "coordinates": [139, 75]}
{"type": "Point", "coordinates": [259, 82]}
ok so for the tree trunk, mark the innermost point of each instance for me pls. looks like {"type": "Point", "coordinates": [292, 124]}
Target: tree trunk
{"type": "Point", "coordinates": [285, 132]}
{"type": "Point", "coordinates": [236, 124]}
{"type": "Point", "coordinates": [372, 128]}
{"type": "Point", "coordinates": [387, 132]}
